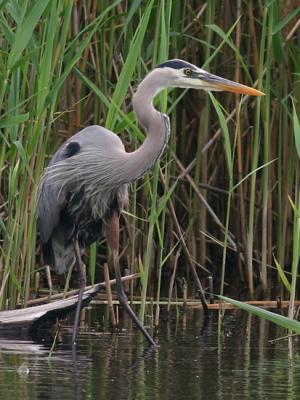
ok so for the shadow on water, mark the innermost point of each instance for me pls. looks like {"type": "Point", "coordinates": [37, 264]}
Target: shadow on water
{"type": "Point", "coordinates": [242, 363]}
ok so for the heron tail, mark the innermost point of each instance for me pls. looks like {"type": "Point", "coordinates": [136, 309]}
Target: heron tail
{"type": "Point", "coordinates": [58, 252]}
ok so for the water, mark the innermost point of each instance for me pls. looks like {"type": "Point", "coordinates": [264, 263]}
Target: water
{"type": "Point", "coordinates": [242, 363]}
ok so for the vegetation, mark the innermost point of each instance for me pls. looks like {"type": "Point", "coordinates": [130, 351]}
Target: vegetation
{"type": "Point", "coordinates": [225, 195]}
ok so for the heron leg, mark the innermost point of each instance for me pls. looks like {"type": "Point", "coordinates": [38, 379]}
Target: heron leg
{"type": "Point", "coordinates": [82, 283]}
{"type": "Point", "coordinates": [49, 280]}
{"type": "Point", "coordinates": [112, 234]}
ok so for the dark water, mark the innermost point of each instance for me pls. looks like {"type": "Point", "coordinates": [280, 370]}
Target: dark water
{"type": "Point", "coordinates": [241, 363]}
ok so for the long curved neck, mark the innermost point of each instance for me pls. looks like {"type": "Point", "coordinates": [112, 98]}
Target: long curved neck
{"type": "Point", "coordinates": [155, 124]}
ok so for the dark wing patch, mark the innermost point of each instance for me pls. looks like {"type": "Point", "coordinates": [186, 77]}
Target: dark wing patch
{"type": "Point", "coordinates": [71, 149]}
{"type": "Point", "coordinates": [175, 64]}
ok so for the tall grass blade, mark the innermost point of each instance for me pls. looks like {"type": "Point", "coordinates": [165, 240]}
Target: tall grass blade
{"type": "Point", "coordinates": [129, 67]}
{"type": "Point", "coordinates": [265, 314]}
{"type": "Point", "coordinates": [296, 126]}
{"type": "Point", "coordinates": [25, 30]}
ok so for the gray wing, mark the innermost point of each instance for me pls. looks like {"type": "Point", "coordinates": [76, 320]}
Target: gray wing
{"type": "Point", "coordinates": [49, 208]}
{"type": "Point", "coordinates": [51, 199]}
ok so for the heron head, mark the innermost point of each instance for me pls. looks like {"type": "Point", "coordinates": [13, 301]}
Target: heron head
{"type": "Point", "coordinates": [179, 73]}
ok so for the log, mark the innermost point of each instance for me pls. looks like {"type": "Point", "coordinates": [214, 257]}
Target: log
{"type": "Point", "coordinates": [34, 320]}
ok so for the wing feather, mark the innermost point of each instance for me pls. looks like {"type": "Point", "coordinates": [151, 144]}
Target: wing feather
{"type": "Point", "coordinates": [51, 199]}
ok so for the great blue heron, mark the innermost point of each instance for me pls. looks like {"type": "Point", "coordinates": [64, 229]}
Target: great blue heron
{"type": "Point", "coordinates": [86, 183]}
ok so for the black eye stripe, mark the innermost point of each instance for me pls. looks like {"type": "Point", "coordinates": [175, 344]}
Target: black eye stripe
{"type": "Point", "coordinates": [175, 64]}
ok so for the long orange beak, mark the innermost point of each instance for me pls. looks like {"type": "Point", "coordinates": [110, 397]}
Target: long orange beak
{"type": "Point", "coordinates": [239, 88]}
{"type": "Point", "coordinates": [215, 82]}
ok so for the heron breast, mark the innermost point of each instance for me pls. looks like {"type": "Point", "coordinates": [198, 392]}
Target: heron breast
{"type": "Point", "coordinates": [87, 205]}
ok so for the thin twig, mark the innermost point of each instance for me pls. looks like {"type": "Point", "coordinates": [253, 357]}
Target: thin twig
{"type": "Point", "coordinates": [202, 198]}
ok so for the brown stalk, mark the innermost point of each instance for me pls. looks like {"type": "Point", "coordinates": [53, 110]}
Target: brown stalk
{"type": "Point", "coordinates": [173, 277]}
{"type": "Point", "coordinates": [185, 248]}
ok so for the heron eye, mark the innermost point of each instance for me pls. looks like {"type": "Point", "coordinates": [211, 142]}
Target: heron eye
{"type": "Point", "coordinates": [188, 72]}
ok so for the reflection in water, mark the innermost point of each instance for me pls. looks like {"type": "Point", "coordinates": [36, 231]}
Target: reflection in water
{"type": "Point", "coordinates": [239, 364]}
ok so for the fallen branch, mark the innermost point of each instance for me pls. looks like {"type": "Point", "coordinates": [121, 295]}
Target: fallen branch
{"type": "Point", "coordinates": [92, 289]}
{"type": "Point", "coordinates": [36, 317]}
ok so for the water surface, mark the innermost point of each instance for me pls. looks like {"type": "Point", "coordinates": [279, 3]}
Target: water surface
{"type": "Point", "coordinates": [242, 363]}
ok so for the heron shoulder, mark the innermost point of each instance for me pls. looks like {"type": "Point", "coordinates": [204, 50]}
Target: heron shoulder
{"type": "Point", "coordinates": [96, 135]}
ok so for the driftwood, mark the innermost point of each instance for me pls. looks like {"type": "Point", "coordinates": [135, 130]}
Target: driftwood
{"type": "Point", "coordinates": [33, 320]}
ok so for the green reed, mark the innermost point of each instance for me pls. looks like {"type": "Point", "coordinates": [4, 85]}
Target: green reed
{"type": "Point", "coordinates": [66, 65]}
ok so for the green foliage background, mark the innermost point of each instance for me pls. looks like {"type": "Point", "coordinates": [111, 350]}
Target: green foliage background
{"type": "Point", "coordinates": [66, 64]}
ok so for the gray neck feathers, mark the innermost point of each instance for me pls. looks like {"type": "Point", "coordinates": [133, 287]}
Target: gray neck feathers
{"type": "Point", "coordinates": [154, 123]}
